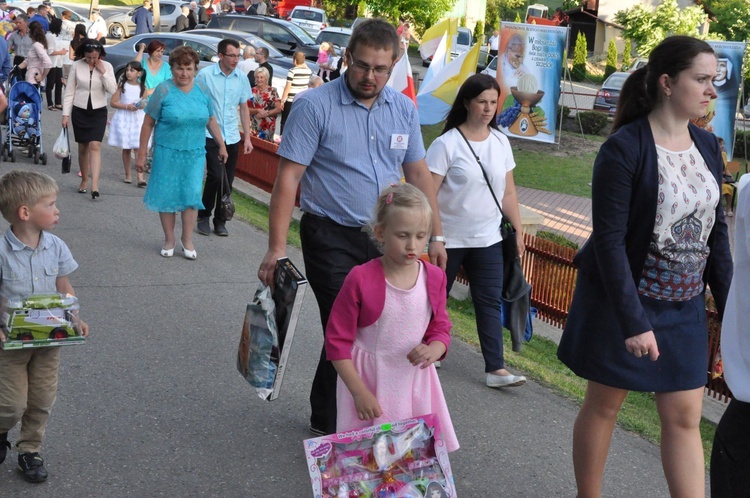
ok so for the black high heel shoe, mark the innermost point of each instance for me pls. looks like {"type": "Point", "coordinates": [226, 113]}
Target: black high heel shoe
{"type": "Point", "coordinates": [94, 194]}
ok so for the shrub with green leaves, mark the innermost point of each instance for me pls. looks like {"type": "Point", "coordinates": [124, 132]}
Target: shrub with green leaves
{"type": "Point", "coordinates": [563, 111]}
{"type": "Point", "coordinates": [579, 58]}
{"type": "Point", "coordinates": [557, 239]}
{"type": "Point", "coordinates": [479, 32]}
{"type": "Point", "coordinates": [592, 122]}
{"type": "Point", "coordinates": [611, 66]}
{"type": "Point", "coordinates": [627, 57]}
{"type": "Point", "coordinates": [741, 141]}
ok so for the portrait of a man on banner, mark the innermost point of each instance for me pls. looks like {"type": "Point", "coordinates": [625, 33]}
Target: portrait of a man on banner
{"type": "Point", "coordinates": [528, 71]}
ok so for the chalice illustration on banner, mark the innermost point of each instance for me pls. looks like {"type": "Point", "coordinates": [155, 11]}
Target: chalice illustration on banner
{"type": "Point", "coordinates": [524, 117]}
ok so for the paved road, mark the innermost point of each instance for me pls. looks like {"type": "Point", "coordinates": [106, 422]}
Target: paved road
{"type": "Point", "coordinates": [152, 404]}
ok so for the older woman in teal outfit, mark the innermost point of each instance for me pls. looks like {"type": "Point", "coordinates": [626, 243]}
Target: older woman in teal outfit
{"type": "Point", "coordinates": [178, 112]}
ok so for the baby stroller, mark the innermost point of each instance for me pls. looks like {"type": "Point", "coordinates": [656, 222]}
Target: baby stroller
{"type": "Point", "coordinates": [24, 121]}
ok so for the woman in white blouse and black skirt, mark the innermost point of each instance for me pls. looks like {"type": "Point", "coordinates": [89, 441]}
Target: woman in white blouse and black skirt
{"type": "Point", "coordinates": [90, 80]}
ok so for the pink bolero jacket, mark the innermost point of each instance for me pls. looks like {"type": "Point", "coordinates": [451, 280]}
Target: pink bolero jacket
{"type": "Point", "coordinates": [362, 298]}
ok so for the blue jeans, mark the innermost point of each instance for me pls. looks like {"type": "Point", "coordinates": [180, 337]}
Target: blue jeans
{"type": "Point", "coordinates": [484, 268]}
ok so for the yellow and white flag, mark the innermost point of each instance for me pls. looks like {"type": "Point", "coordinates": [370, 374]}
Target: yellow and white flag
{"type": "Point", "coordinates": [432, 35]}
{"type": "Point", "coordinates": [436, 97]}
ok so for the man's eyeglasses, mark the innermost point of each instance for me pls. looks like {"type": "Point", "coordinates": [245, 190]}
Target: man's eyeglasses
{"type": "Point", "coordinates": [362, 68]}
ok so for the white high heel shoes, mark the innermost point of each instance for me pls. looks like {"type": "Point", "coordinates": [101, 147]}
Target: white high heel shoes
{"type": "Point", "coordinates": [188, 253]}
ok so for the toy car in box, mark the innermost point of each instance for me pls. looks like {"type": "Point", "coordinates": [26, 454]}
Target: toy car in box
{"type": "Point", "coordinates": [41, 320]}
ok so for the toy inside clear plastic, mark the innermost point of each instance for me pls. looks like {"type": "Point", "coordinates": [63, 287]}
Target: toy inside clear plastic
{"type": "Point", "coordinates": [390, 465]}
{"type": "Point", "coordinates": [40, 317]}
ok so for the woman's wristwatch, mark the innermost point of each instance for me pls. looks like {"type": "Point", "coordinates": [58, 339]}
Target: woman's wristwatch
{"type": "Point", "coordinates": [437, 238]}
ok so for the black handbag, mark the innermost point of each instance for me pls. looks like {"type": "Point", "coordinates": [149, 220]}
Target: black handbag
{"type": "Point", "coordinates": [66, 160]}
{"type": "Point", "coordinates": [226, 203]}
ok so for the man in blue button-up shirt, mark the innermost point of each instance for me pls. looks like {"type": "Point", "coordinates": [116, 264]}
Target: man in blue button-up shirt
{"type": "Point", "coordinates": [343, 143]}
{"type": "Point", "coordinates": [228, 89]}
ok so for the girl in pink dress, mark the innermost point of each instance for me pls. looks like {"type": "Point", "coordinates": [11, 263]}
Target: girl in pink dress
{"type": "Point", "coordinates": [389, 325]}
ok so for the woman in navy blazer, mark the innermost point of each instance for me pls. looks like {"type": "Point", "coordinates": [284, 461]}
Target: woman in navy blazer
{"type": "Point", "coordinates": [637, 320]}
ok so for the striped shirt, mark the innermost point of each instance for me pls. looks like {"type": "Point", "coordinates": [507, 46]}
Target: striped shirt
{"type": "Point", "coordinates": [299, 77]}
{"type": "Point", "coordinates": [351, 152]}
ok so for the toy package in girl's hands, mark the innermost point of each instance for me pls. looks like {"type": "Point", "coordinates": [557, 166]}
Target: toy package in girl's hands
{"type": "Point", "coordinates": [404, 459]}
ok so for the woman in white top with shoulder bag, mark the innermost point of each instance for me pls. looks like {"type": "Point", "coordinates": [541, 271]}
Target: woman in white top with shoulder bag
{"type": "Point", "coordinates": [469, 213]}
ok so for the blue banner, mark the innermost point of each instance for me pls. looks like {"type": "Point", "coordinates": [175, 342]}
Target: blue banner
{"type": "Point", "coordinates": [721, 114]}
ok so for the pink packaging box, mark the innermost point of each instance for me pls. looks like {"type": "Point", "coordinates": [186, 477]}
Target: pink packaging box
{"type": "Point", "coordinates": [404, 459]}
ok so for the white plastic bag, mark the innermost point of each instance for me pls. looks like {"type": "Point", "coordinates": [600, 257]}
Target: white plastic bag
{"type": "Point", "coordinates": [61, 148]}
{"type": "Point", "coordinates": [258, 342]}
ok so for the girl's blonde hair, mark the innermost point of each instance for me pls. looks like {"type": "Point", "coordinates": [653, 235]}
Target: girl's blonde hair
{"type": "Point", "coordinates": [401, 196]}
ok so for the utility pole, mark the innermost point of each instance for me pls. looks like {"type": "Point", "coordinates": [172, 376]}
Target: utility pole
{"type": "Point", "coordinates": [157, 15]}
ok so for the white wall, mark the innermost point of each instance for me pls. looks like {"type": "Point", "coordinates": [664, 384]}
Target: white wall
{"type": "Point", "coordinates": [473, 10]}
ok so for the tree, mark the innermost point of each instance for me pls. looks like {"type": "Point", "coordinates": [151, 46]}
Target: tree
{"type": "Point", "coordinates": [498, 10]}
{"type": "Point", "coordinates": [579, 58]}
{"type": "Point", "coordinates": [611, 66]}
{"type": "Point", "coordinates": [627, 58]}
{"type": "Point", "coordinates": [422, 14]}
{"type": "Point", "coordinates": [648, 27]}
{"type": "Point", "coordinates": [479, 31]}
{"type": "Point", "coordinates": [341, 9]}
{"type": "Point", "coordinates": [732, 19]}
{"type": "Point", "coordinates": [518, 17]}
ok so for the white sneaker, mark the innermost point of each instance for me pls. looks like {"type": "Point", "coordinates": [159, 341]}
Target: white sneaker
{"type": "Point", "coordinates": [505, 380]}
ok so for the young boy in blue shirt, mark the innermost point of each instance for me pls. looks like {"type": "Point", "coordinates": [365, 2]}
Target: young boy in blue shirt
{"type": "Point", "coordinates": [32, 261]}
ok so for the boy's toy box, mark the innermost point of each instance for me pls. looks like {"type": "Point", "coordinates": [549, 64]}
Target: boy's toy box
{"type": "Point", "coordinates": [404, 459]}
{"type": "Point", "coordinates": [268, 330]}
{"type": "Point", "coordinates": [40, 320]}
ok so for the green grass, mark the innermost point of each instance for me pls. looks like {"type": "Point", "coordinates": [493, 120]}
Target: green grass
{"type": "Point", "coordinates": [256, 213]}
{"type": "Point", "coordinates": [564, 174]}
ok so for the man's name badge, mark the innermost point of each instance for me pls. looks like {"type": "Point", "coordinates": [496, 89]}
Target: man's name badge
{"type": "Point", "coordinates": [399, 141]}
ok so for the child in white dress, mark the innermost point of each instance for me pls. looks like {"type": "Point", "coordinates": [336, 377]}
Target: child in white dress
{"type": "Point", "coordinates": [389, 324]}
{"type": "Point", "coordinates": [125, 127]}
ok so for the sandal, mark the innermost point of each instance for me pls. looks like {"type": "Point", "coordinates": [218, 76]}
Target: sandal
{"type": "Point", "coordinates": [58, 107]}
{"type": "Point", "coordinates": [142, 184]}
{"type": "Point", "coordinates": [51, 108]}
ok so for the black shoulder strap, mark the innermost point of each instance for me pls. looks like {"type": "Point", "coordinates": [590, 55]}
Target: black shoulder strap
{"type": "Point", "coordinates": [484, 173]}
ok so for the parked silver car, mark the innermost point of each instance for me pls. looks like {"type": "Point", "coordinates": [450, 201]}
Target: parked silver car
{"type": "Point", "coordinates": [310, 19]}
{"type": "Point", "coordinates": [122, 26]}
{"type": "Point", "coordinates": [120, 54]}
